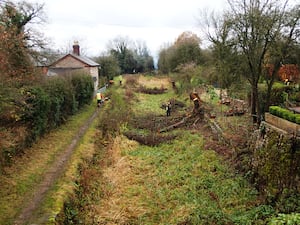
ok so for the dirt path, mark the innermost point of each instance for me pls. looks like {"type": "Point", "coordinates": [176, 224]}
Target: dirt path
{"type": "Point", "coordinates": [53, 173]}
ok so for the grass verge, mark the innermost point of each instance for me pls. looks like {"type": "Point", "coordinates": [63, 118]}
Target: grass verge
{"type": "Point", "coordinates": [19, 181]}
{"type": "Point", "coordinates": [178, 182]}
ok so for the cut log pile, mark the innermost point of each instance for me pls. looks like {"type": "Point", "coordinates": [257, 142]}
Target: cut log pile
{"type": "Point", "coordinates": [237, 107]}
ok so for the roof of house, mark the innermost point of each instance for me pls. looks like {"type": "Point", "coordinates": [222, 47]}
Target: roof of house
{"type": "Point", "coordinates": [83, 59]}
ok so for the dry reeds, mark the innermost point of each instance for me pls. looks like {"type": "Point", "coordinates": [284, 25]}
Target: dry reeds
{"type": "Point", "coordinates": [131, 81]}
{"type": "Point", "coordinates": [120, 177]}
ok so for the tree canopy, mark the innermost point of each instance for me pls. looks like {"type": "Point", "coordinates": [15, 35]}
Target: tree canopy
{"type": "Point", "coordinates": [186, 49]}
{"type": "Point", "coordinates": [16, 39]}
{"type": "Point", "coordinates": [249, 34]}
{"type": "Point", "coordinates": [132, 57]}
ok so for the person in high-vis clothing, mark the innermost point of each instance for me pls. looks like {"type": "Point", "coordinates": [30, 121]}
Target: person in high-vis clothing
{"type": "Point", "coordinates": [99, 99]}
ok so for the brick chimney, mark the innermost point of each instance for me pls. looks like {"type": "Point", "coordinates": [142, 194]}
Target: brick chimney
{"type": "Point", "coordinates": [76, 49]}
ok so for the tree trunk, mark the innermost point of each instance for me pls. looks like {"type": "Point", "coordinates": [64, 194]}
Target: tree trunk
{"type": "Point", "coordinates": [254, 100]}
{"type": "Point", "coordinates": [258, 107]}
{"type": "Point", "coordinates": [271, 82]}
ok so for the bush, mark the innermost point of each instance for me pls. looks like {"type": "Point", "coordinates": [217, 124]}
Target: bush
{"type": "Point", "coordinates": [276, 171]}
{"type": "Point", "coordinates": [295, 96]}
{"type": "Point", "coordinates": [83, 88]}
{"type": "Point", "coordinates": [116, 113]}
{"type": "Point", "coordinates": [278, 95]}
{"type": "Point", "coordinates": [297, 119]}
{"type": "Point", "coordinates": [281, 219]}
{"type": "Point", "coordinates": [285, 114]}
{"type": "Point", "coordinates": [38, 105]}
{"type": "Point", "coordinates": [40, 108]}
{"type": "Point", "coordinates": [63, 101]}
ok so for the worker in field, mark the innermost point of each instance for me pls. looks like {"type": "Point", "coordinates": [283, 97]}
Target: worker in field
{"type": "Point", "coordinates": [168, 109]}
{"type": "Point", "coordinates": [99, 98]}
{"type": "Point", "coordinates": [102, 97]}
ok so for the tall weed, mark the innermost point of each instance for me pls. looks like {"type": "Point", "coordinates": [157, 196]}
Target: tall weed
{"type": "Point", "coordinates": [114, 114]}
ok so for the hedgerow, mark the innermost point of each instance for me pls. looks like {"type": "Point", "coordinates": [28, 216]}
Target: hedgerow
{"type": "Point", "coordinates": [285, 114]}
{"type": "Point", "coordinates": [39, 108]}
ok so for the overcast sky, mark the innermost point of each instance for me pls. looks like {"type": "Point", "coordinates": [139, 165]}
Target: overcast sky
{"type": "Point", "coordinates": [95, 22]}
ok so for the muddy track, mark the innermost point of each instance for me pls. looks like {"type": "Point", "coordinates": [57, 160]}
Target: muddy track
{"type": "Point", "coordinates": [53, 173]}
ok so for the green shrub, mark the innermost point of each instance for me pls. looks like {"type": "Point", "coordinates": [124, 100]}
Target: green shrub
{"type": "Point", "coordinates": [114, 114]}
{"type": "Point", "coordinates": [281, 219]}
{"type": "Point", "coordinates": [278, 95]}
{"type": "Point", "coordinates": [285, 114]}
{"type": "Point", "coordinates": [292, 118]}
{"type": "Point", "coordinates": [40, 108]}
{"type": "Point", "coordinates": [295, 96]}
{"type": "Point", "coordinates": [297, 119]}
{"type": "Point", "coordinates": [63, 102]}
{"type": "Point", "coordinates": [277, 167]}
{"type": "Point", "coordinates": [83, 87]}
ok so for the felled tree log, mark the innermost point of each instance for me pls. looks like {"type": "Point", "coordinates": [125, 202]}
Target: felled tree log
{"type": "Point", "coordinates": [198, 111]}
{"type": "Point", "coordinates": [173, 126]}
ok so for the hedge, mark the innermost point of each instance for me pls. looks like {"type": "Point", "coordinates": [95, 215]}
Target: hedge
{"type": "Point", "coordinates": [285, 114]}
{"type": "Point", "coordinates": [39, 108]}
{"type": "Point", "coordinates": [51, 103]}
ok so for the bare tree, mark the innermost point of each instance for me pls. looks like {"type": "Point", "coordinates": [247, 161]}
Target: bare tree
{"type": "Point", "coordinates": [21, 17]}
{"type": "Point", "coordinates": [18, 41]}
{"type": "Point", "coordinates": [249, 30]}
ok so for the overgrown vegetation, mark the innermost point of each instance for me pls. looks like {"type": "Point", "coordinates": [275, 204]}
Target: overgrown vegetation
{"type": "Point", "coordinates": [30, 103]}
{"type": "Point", "coordinates": [27, 113]}
{"type": "Point", "coordinates": [281, 95]}
{"type": "Point", "coordinates": [19, 181]}
{"type": "Point", "coordinates": [275, 166]}
{"type": "Point", "coordinates": [186, 182]}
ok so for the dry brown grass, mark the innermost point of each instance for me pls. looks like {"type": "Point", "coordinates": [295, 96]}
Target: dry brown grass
{"type": "Point", "coordinates": [116, 207]}
{"type": "Point", "coordinates": [152, 82]}
{"type": "Point", "coordinates": [131, 80]}
{"type": "Point", "coordinates": [11, 140]}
